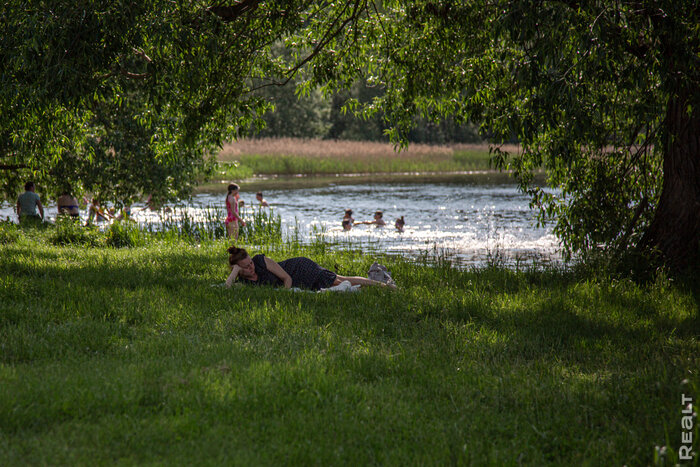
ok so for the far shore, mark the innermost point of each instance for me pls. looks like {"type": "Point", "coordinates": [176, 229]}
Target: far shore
{"type": "Point", "coordinates": [266, 182]}
{"type": "Point", "coordinates": [347, 149]}
{"type": "Point", "coordinates": [259, 160]}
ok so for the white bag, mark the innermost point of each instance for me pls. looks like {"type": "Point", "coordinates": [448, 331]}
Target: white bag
{"type": "Point", "coordinates": [378, 272]}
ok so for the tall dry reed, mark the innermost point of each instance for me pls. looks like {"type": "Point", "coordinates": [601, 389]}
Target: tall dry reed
{"type": "Point", "coordinates": [354, 150]}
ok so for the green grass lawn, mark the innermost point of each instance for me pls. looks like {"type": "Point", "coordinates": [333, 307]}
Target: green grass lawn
{"type": "Point", "coordinates": [131, 356]}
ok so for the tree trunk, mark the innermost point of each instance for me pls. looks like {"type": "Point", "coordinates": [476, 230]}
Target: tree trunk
{"type": "Point", "coordinates": [675, 229]}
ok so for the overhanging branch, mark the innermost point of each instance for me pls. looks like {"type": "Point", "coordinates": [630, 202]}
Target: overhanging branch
{"type": "Point", "coordinates": [13, 166]}
{"type": "Point", "coordinates": [233, 12]}
{"type": "Point", "coordinates": [333, 30]}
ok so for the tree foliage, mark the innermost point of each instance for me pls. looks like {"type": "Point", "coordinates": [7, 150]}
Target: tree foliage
{"type": "Point", "coordinates": [602, 95]}
{"type": "Point", "coordinates": [141, 91]}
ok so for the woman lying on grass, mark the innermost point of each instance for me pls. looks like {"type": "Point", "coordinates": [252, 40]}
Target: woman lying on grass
{"type": "Point", "coordinates": [298, 272]}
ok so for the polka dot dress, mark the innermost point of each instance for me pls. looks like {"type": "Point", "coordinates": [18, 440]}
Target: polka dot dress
{"type": "Point", "coordinates": [305, 273]}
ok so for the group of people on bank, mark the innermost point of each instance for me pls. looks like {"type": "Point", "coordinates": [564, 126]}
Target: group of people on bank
{"type": "Point", "coordinates": [299, 272]}
{"type": "Point", "coordinates": [30, 209]}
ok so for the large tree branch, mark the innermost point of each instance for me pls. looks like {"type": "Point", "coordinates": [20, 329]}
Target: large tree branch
{"type": "Point", "coordinates": [638, 49]}
{"type": "Point", "coordinates": [233, 12]}
{"type": "Point", "coordinates": [333, 30]}
{"type": "Point", "coordinates": [13, 166]}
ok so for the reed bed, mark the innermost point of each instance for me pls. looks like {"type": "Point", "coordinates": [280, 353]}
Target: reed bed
{"type": "Point", "coordinates": [359, 150]}
{"type": "Point", "coordinates": [265, 156]}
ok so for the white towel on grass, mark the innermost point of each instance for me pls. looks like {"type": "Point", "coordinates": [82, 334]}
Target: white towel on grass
{"type": "Point", "coordinates": [344, 286]}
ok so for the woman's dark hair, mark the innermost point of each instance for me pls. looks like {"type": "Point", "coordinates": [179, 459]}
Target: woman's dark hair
{"type": "Point", "coordinates": [348, 212]}
{"type": "Point", "coordinates": [233, 187]}
{"type": "Point", "coordinates": [28, 186]}
{"type": "Point", "coordinates": [236, 254]}
{"type": "Point", "coordinates": [259, 193]}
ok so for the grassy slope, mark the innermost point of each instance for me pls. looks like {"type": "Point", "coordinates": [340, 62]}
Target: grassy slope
{"type": "Point", "coordinates": [130, 355]}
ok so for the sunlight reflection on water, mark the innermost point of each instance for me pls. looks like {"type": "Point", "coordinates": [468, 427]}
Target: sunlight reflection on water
{"type": "Point", "coordinates": [465, 221]}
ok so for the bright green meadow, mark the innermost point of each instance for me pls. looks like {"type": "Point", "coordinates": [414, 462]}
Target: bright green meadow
{"type": "Point", "coordinates": [137, 355]}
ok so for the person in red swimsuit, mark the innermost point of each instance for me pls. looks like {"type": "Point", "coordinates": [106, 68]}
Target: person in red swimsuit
{"type": "Point", "coordinates": [232, 217]}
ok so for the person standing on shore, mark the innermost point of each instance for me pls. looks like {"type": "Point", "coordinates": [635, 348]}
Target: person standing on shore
{"type": "Point", "coordinates": [27, 204]}
{"type": "Point", "coordinates": [232, 217]}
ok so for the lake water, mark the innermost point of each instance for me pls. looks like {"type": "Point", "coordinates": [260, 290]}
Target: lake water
{"type": "Point", "coordinates": [471, 218]}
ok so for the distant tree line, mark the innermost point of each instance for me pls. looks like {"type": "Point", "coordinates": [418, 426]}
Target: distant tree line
{"type": "Point", "coordinates": [316, 115]}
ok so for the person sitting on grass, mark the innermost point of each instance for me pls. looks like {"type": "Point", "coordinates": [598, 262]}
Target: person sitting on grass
{"type": "Point", "coordinates": [124, 213]}
{"type": "Point", "coordinates": [27, 204]}
{"type": "Point", "coordinates": [68, 205]}
{"type": "Point", "coordinates": [298, 272]}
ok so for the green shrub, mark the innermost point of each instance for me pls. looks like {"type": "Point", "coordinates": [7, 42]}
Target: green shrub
{"type": "Point", "coordinates": [124, 234]}
{"type": "Point", "coordinates": [9, 232]}
{"type": "Point", "coordinates": [69, 232]}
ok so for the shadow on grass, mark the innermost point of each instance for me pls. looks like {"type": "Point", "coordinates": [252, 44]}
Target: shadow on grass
{"type": "Point", "coordinates": [143, 338]}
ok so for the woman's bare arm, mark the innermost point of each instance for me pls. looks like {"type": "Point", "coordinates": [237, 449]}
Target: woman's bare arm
{"type": "Point", "coordinates": [234, 274]}
{"type": "Point", "coordinates": [277, 270]}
